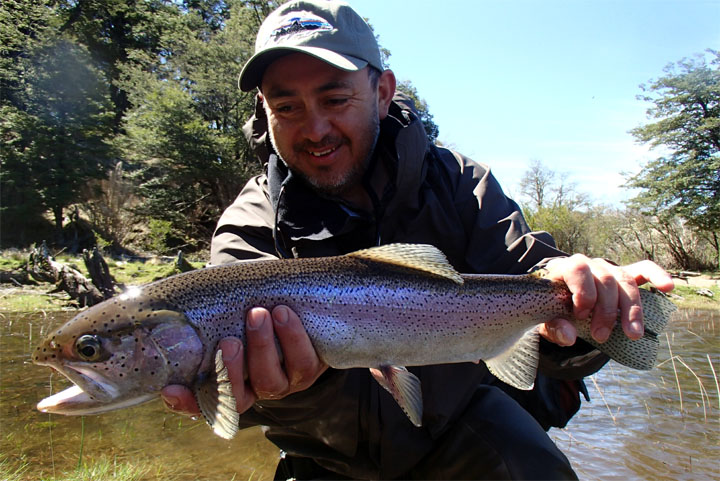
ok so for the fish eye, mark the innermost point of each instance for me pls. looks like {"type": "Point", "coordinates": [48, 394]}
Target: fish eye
{"type": "Point", "coordinates": [88, 347]}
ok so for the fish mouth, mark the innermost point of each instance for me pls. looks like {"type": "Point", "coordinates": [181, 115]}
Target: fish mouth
{"type": "Point", "coordinates": [90, 394]}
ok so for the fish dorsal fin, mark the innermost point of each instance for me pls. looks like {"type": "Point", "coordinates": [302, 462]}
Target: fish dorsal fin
{"type": "Point", "coordinates": [404, 387]}
{"type": "Point", "coordinates": [517, 365]}
{"type": "Point", "coordinates": [217, 402]}
{"type": "Point", "coordinates": [421, 257]}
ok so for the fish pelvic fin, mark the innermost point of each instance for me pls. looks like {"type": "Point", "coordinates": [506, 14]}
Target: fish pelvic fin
{"type": "Point", "coordinates": [217, 402]}
{"type": "Point", "coordinates": [517, 365]}
{"type": "Point", "coordinates": [404, 387]}
{"type": "Point", "coordinates": [421, 257]}
{"type": "Point", "coordinates": [641, 353]}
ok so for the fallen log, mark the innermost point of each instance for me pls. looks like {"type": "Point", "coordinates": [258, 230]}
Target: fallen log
{"type": "Point", "coordinates": [44, 269]}
{"type": "Point", "coordinates": [19, 277]}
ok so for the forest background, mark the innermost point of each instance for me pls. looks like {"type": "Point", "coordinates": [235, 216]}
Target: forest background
{"type": "Point", "coordinates": [120, 127]}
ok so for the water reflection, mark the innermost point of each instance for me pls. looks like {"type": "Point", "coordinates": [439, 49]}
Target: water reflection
{"type": "Point", "coordinates": [634, 427]}
{"type": "Point", "coordinates": [172, 446]}
{"type": "Point", "coordinates": [662, 424]}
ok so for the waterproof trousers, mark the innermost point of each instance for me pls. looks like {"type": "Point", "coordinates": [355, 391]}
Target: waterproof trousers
{"type": "Point", "coordinates": [495, 438]}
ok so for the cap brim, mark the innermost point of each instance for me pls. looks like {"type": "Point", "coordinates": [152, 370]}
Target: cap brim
{"type": "Point", "coordinates": [252, 73]}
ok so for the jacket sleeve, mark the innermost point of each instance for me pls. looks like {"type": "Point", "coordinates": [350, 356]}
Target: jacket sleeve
{"type": "Point", "coordinates": [244, 231]}
{"type": "Point", "coordinates": [500, 242]}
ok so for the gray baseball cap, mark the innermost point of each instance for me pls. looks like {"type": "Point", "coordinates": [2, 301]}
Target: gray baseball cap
{"type": "Point", "coordinates": [326, 29]}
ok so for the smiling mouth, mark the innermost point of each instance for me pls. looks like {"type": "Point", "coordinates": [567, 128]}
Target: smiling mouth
{"type": "Point", "coordinates": [323, 153]}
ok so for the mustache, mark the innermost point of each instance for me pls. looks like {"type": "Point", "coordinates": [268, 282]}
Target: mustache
{"type": "Point", "coordinates": [329, 141]}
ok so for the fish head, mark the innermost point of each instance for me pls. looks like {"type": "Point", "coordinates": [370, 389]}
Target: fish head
{"type": "Point", "coordinates": [119, 353]}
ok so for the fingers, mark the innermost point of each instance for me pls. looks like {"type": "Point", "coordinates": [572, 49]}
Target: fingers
{"type": "Point", "coordinates": [559, 331]}
{"type": "Point", "coordinates": [276, 373]}
{"type": "Point", "coordinates": [180, 399]}
{"type": "Point", "coordinates": [647, 271]}
{"type": "Point", "coordinates": [233, 356]}
{"type": "Point", "coordinates": [605, 292]}
{"type": "Point", "coordinates": [301, 362]}
{"type": "Point", "coordinates": [265, 370]}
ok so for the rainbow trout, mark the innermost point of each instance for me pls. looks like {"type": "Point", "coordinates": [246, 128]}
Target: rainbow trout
{"type": "Point", "coordinates": [382, 308]}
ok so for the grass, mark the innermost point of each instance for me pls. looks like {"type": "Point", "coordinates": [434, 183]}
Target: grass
{"type": "Point", "coordinates": [686, 297]}
{"type": "Point", "coordinates": [105, 469]}
{"type": "Point", "coordinates": [12, 471]}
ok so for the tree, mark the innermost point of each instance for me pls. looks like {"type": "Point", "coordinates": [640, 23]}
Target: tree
{"type": "Point", "coordinates": [431, 128]}
{"type": "Point", "coordinates": [54, 119]}
{"type": "Point", "coordinates": [114, 31]}
{"type": "Point", "coordinates": [685, 182]}
{"type": "Point", "coordinates": [556, 207]}
{"type": "Point", "coordinates": [536, 182]}
{"type": "Point", "coordinates": [183, 135]}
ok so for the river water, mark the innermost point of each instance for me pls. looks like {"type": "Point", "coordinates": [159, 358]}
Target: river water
{"type": "Point", "coordinates": [663, 424]}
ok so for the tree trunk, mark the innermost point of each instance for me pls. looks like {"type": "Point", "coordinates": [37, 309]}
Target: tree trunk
{"type": "Point", "coordinates": [99, 272]}
{"type": "Point", "coordinates": [58, 215]}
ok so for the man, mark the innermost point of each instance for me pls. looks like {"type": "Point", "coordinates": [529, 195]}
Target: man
{"type": "Point", "coordinates": [349, 167]}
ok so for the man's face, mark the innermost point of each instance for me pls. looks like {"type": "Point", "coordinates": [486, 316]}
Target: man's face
{"type": "Point", "coordinates": [324, 121]}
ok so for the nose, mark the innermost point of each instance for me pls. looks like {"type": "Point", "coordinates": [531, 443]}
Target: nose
{"type": "Point", "coordinates": [316, 125]}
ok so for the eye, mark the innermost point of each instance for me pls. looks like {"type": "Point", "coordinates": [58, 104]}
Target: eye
{"type": "Point", "coordinates": [337, 101]}
{"type": "Point", "coordinates": [88, 347]}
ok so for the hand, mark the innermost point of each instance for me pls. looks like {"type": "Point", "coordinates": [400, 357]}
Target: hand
{"type": "Point", "coordinates": [602, 290]}
{"type": "Point", "coordinates": [261, 372]}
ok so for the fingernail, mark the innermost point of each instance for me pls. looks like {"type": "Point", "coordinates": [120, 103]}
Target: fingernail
{"type": "Point", "coordinates": [566, 335]}
{"type": "Point", "coordinates": [636, 327]}
{"type": "Point", "coordinates": [230, 349]}
{"type": "Point", "coordinates": [601, 334]}
{"type": "Point", "coordinates": [280, 315]}
{"type": "Point", "coordinates": [255, 321]}
{"type": "Point", "coordinates": [170, 401]}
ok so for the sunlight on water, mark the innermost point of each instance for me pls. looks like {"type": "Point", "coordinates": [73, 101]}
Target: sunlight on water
{"type": "Point", "coordinates": [634, 428]}
{"type": "Point", "coordinates": [639, 425]}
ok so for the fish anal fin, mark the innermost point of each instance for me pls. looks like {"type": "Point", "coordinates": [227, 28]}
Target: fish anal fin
{"type": "Point", "coordinates": [216, 401]}
{"type": "Point", "coordinates": [404, 387]}
{"type": "Point", "coordinates": [517, 365]}
{"type": "Point", "coordinates": [420, 257]}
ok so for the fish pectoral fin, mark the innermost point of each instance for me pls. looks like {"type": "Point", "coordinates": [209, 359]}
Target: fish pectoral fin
{"type": "Point", "coordinates": [404, 387]}
{"type": "Point", "coordinates": [421, 257]}
{"type": "Point", "coordinates": [517, 365]}
{"type": "Point", "coordinates": [217, 402]}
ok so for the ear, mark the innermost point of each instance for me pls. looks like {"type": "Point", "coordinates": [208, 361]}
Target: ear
{"type": "Point", "coordinates": [386, 91]}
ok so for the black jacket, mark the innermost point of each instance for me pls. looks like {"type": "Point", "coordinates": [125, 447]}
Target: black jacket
{"type": "Point", "coordinates": [346, 422]}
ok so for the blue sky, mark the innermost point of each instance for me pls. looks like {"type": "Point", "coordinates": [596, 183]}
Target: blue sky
{"type": "Point", "coordinates": [511, 81]}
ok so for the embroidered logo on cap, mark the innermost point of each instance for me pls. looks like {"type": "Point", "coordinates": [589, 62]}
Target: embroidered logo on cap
{"type": "Point", "coordinates": [297, 25]}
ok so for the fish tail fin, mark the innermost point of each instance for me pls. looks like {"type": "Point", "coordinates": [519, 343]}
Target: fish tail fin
{"type": "Point", "coordinates": [517, 365]}
{"type": "Point", "coordinates": [641, 353]}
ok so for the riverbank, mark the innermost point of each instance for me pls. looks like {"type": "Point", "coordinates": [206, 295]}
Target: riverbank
{"type": "Point", "coordinates": [694, 292]}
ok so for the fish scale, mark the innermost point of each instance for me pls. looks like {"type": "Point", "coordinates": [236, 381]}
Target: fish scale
{"type": "Point", "coordinates": [382, 308]}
